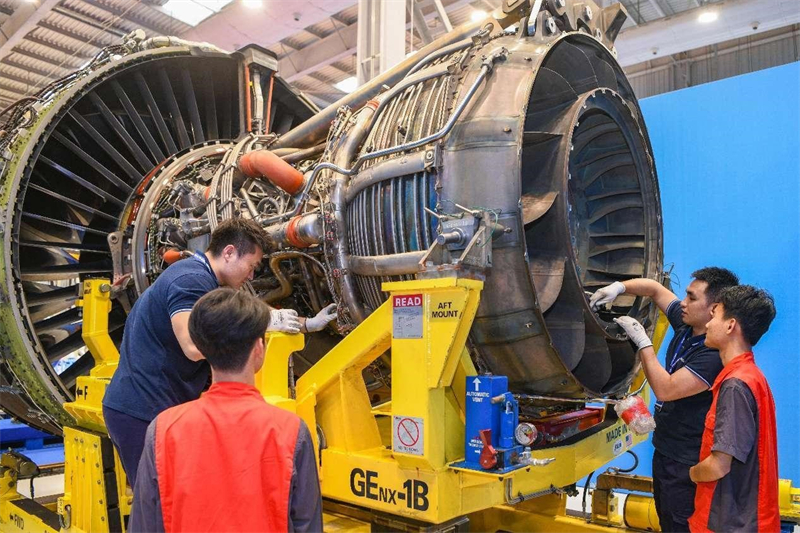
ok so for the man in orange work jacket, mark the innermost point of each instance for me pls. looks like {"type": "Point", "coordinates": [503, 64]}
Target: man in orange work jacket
{"type": "Point", "coordinates": [737, 476]}
{"type": "Point", "coordinates": [228, 461]}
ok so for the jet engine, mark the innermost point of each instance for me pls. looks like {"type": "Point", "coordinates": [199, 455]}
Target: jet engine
{"type": "Point", "coordinates": [523, 123]}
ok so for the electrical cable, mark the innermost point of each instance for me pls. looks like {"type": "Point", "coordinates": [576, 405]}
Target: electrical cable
{"type": "Point", "coordinates": [631, 469]}
{"type": "Point", "coordinates": [585, 490]}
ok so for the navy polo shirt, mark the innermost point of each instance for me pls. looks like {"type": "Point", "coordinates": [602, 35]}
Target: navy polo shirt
{"type": "Point", "coordinates": [680, 423]}
{"type": "Point", "coordinates": [154, 373]}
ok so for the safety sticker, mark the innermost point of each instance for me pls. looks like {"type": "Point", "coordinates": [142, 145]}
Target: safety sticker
{"type": "Point", "coordinates": [407, 435]}
{"type": "Point", "coordinates": [442, 308]}
{"type": "Point", "coordinates": [407, 316]}
{"type": "Point", "coordinates": [618, 447]}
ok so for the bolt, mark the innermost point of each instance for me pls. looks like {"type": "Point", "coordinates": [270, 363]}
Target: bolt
{"type": "Point", "coordinates": [587, 13]}
{"type": "Point", "coordinates": [550, 24]}
{"type": "Point", "coordinates": [598, 34]}
{"type": "Point", "coordinates": [507, 129]}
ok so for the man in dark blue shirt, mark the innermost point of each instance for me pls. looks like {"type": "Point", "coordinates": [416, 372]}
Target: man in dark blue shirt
{"type": "Point", "coordinates": [159, 365]}
{"type": "Point", "coordinates": [682, 388]}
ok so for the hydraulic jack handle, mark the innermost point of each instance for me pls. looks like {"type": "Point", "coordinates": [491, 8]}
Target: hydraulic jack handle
{"type": "Point", "coordinates": [488, 458]}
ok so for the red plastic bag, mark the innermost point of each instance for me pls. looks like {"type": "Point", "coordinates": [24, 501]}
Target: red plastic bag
{"type": "Point", "coordinates": [634, 412]}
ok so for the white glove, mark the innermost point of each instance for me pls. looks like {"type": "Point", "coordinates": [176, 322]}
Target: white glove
{"type": "Point", "coordinates": [285, 320]}
{"type": "Point", "coordinates": [606, 294]}
{"type": "Point", "coordinates": [635, 331]}
{"type": "Point", "coordinates": [322, 319]}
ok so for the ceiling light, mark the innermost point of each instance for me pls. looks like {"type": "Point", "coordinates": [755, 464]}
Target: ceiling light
{"type": "Point", "coordinates": [707, 16]}
{"type": "Point", "coordinates": [193, 12]}
{"type": "Point", "coordinates": [478, 15]}
{"type": "Point", "coordinates": [253, 4]}
{"type": "Point", "coordinates": [347, 85]}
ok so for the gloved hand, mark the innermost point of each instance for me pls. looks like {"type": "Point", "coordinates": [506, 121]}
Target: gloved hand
{"type": "Point", "coordinates": [285, 320]}
{"type": "Point", "coordinates": [606, 294]}
{"type": "Point", "coordinates": [635, 331]}
{"type": "Point", "coordinates": [322, 319]}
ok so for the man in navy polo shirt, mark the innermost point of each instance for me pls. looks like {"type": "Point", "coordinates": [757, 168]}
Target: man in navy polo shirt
{"type": "Point", "coordinates": [159, 365]}
{"type": "Point", "coordinates": [682, 388]}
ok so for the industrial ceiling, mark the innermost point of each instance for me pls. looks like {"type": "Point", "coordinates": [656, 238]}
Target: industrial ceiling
{"type": "Point", "coordinates": [315, 40]}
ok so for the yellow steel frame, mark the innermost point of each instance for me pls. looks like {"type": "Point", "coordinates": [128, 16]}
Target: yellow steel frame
{"type": "Point", "coordinates": [95, 495]}
{"type": "Point", "coordinates": [360, 466]}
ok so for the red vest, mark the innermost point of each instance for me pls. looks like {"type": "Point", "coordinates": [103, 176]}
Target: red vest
{"type": "Point", "coordinates": [744, 368]}
{"type": "Point", "coordinates": [225, 462]}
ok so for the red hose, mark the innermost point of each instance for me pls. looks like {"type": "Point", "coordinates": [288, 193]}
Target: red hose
{"type": "Point", "coordinates": [263, 163]}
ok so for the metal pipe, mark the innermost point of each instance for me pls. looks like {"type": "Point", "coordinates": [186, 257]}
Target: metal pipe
{"type": "Point", "coordinates": [386, 265]}
{"type": "Point", "coordinates": [447, 50]}
{"type": "Point", "coordinates": [298, 155]}
{"type": "Point", "coordinates": [249, 201]}
{"type": "Point", "coordinates": [316, 128]}
{"type": "Point", "coordinates": [286, 287]}
{"type": "Point", "coordinates": [392, 168]}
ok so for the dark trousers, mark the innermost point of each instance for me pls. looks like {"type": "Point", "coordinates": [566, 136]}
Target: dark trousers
{"type": "Point", "coordinates": [673, 491]}
{"type": "Point", "coordinates": [127, 433]}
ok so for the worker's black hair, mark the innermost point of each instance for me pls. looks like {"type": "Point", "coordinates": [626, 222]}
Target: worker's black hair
{"type": "Point", "coordinates": [753, 309]}
{"type": "Point", "coordinates": [717, 279]}
{"type": "Point", "coordinates": [243, 234]}
{"type": "Point", "coordinates": [225, 324]}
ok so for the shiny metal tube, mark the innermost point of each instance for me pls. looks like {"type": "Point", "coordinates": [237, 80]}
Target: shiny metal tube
{"type": "Point", "coordinates": [315, 129]}
{"type": "Point", "coordinates": [300, 232]}
{"type": "Point", "coordinates": [447, 50]}
{"type": "Point", "coordinates": [386, 265]}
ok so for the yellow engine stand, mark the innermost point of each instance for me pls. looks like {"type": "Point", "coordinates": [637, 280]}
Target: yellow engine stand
{"type": "Point", "coordinates": [95, 496]}
{"type": "Point", "coordinates": [365, 466]}
{"type": "Point", "coordinates": [369, 476]}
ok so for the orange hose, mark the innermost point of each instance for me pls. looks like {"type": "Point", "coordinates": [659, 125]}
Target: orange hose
{"type": "Point", "coordinates": [171, 256]}
{"type": "Point", "coordinates": [264, 163]}
{"type": "Point", "coordinates": [291, 234]}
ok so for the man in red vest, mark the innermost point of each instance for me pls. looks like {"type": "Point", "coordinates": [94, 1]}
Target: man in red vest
{"type": "Point", "coordinates": [737, 476]}
{"type": "Point", "coordinates": [227, 461]}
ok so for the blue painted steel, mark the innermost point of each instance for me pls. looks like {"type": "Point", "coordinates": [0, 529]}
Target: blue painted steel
{"type": "Point", "coordinates": [15, 434]}
{"type": "Point", "coordinates": [509, 418]}
{"type": "Point", "coordinates": [481, 413]}
{"type": "Point", "coordinates": [729, 171]}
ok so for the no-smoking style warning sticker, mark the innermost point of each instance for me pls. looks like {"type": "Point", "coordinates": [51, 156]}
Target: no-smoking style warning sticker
{"type": "Point", "coordinates": [407, 435]}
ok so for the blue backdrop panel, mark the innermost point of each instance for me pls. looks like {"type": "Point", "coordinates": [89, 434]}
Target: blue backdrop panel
{"type": "Point", "coordinates": [728, 160]}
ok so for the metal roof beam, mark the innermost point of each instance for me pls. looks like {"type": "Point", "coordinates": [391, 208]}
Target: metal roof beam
{"type": "Point", "coordinates": [637, 17]}
{"type": "Point", "coordinates": [440, 11]}
{"type": "Point", "coordinates": [24, 20]}
{"type": "Point", "coordinates": [96, 24]}
{"type": "Point", "coordinates": [419, 22]}
{"type": "Point", "coordinates": [66, 65]}
{"type": "Point", "coordinates": [101, 40]}
{"type": "Point", "coordinates": [335, 47]}
{"type": "Point", "coordinates": [71, 52]}
{"type": "Point", "coordinates": [131, 17]}
{"type": "Point", "coordinates": [30, 84]}
{"type": "Point", "coordinates": [11, 89]}
{"type": "Point", "coordinates": [26, 68]}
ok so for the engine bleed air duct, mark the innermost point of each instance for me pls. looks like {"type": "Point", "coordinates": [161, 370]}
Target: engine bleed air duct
{"type": "Point", "coordinates": [535, 125]}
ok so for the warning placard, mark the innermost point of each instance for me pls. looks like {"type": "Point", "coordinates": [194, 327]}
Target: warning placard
{"type": "Point", "coordinates": [407, 435]}
{"type": "Point", "coordinates": [407, 316]}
